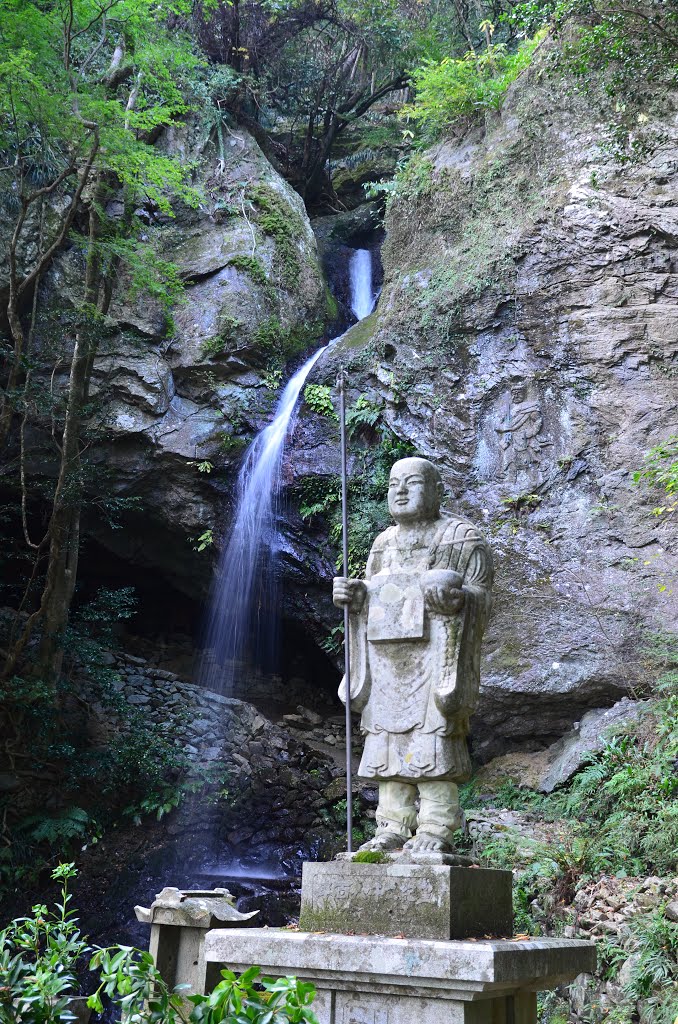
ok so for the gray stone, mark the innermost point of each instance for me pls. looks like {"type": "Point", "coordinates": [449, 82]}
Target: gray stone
{"type": "Point", "coordinates": [415, 627]}
{"type": "Point", "coordinates": [415, 901]}
{"type": "Point", "coordinates": [179, 922]}
{"type": "Point", "coordinates": [569, 753]}
{"type": "Point", "coordinates": [368, 980]}
{"type": "Point", "coordinates": [212, 753]}
{"type": "Point", "coordinates": [311, 716]}
{"type": "Point", "coordinates": [566, 333]}
{"type": "Point", "coordinates": [201, 725]}
{"type": "Point", "coordinates": [671, 910]}
{"type": "Point", "coordinates": [138, 698]}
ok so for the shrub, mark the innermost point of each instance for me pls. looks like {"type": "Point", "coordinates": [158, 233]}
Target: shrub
{"type": "Point", "coordinates": [450, 89]}
{"type": "Point", "coordinates": [39, 957]}
{"type": "Point", "coordinates": [318, 397]}
{"type": "Point", "coordinates": [661, 470]}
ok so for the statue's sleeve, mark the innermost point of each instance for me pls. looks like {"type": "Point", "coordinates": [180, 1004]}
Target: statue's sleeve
{"type": "Point", "coordinates": [460, 681]}
{"type": "Point", "coordinates": [361, 682]}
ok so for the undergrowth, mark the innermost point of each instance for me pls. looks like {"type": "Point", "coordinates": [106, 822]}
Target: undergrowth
{"type": "Point", "coordinates": [618, 816]}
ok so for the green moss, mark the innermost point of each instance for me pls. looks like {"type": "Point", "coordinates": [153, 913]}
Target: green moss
{"type": "Point", "coordinates": [227, 331]}
{"type": "Point", "coordinates": [277, 219]}
{"type": "Point", "coordinates": [331, 305]}
{"type": "Point", "coordinates": [250, 265]}
{"type": "Point", "coordinates": [232, 444]}
{"type": "Point", "coordinates": [280, 344]}
{"type": "Point", "coordinates": [371, 857]}
{"type": "Point", "coordinates": [359, 336]}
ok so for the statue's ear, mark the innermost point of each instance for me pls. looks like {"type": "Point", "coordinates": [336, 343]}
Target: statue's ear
{"type": "Point", "coordinates": [440, 490]}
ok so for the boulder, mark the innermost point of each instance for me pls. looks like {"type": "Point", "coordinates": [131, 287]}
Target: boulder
{"type": "Point", "coordinates": [589, 737]}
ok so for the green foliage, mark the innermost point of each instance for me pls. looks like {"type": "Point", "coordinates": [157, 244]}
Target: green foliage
{"type": "Point", "coordinates": [232, 445]}
{"type": "Point", "coordinates": [626, 52]}
{"type": "Point", "coordinates": [228, 331]}
{"type": "Point", "coordinates": [279, 344]}
{"type": "Point", "coordinates": [319, 496]}
{"type": "Point", "coordinates": [40, 956]}
{"type": "Point", "coordinates": [204, 541]}
{"type": "Point", "coordinates": [661, 471]}
{"type": "Point", "coordinates": [238, 1000]}
{"type": "Point", "coordinates": [272, 378]}
{"type": "Point", "coordinates": [72, 823]}
{"type": "Point", "coordinates": [92, 783]}
{"type": "Point", "coordinates": [45, 58]}
{"type": "Point", "coordinates": [363, 413]}
{"type": "Point", "coordinates": [318, 397]}
{"type": "Point", "coordinates": [335, 818]}
{"type": "Point", "coordinates": [450, 89]}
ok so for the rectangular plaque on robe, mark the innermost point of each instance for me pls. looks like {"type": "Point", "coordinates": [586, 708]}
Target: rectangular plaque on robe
{"type": "Point", "coordinates": [396, 608]}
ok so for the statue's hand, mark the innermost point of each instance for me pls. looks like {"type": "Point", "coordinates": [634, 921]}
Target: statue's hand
{"type": "Point", "coordinates": [444, 600]}
{"type": "Point", "coordinates": [349, 592]}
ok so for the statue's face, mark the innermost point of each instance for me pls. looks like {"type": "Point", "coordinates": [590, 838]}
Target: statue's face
{"type": "Point", "coordinates": [413, 491]}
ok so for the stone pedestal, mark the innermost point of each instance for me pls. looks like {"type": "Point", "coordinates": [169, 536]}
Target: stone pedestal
{"type": "Point", "coordinates": [426, 901]}
{"type": "Point", "coordinates": [375, 980]}
{"type": "Point", "coordinates": [413, 972]}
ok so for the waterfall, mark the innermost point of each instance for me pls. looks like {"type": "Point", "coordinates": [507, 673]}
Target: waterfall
{"type": "Point", "coordinates": [243, 603]}
{"type": "Point", "coordinates": [360, 277]}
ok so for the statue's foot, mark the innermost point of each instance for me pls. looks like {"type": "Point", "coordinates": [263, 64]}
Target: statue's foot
{"type": "Point", "coordinates": [424, 842]}
{"type": "Point", "coordinates": [384, 841]}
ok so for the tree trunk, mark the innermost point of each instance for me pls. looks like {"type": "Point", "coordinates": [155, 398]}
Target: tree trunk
{"type": "Point", "coordinates": [62, 567]}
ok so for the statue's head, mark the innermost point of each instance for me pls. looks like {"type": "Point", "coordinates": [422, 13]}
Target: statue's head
{"type": "Point", "coordinates": [415, 491]}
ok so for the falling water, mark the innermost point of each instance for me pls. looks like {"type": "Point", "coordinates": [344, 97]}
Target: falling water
{"type": "Point", "coordinates": [360, 274]}
{"type": "Point", "coordinates": [243, 605]}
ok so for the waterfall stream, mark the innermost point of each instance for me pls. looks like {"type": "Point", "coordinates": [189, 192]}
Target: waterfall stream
{"type": "Point", "coordinates": [243, 606]}
{"type": "Point", "coordinates": [360, 277]}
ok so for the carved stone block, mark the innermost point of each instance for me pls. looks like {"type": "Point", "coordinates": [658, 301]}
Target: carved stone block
{"type": "Point", "coordinates": [414, 900]}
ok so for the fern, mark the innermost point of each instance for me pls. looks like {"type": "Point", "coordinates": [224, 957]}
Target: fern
{"type": "Point", "coordinates": [365, 413]}
{"type": "Point", "coordinates": [74, 823]}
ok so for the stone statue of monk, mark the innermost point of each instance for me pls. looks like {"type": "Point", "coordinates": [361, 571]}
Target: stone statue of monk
{"type": "Point", "coordinates": [416, 625]}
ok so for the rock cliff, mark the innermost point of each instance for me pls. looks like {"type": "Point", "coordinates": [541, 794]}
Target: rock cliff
{"type": "Point", "coordinates": [176, 405]}
{"type": "Point", "coordinates": [525, 340]}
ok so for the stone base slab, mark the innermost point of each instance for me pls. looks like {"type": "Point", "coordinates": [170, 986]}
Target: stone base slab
{"type": "Point", "coordinates": [364, 979]}
{"type": "Point", "coordinates": [431, 901]}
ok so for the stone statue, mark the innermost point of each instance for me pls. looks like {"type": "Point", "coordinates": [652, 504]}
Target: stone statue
{"type": "Point", "coordinates": [416, 625]}
{"type": "Point", "coordinates": [520, 436]}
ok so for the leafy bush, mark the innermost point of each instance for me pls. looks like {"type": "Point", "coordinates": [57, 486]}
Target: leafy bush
{"type": "Point", "coordinates": [318, 397]}
{"type": "Point", "coordinates": [661, 471]}
{"type": "Point", "coordinates": [40, 955]}
{"type": "Point", "coordinates": [450, 89]}
{"type": "Point", "coordinates": [615, 51]}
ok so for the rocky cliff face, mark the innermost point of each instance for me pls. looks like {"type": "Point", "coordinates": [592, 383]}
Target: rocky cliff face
{"type": "Point", "coordinates": [170, 400]}
{"type": "Point", "coordinates": [525, 340]}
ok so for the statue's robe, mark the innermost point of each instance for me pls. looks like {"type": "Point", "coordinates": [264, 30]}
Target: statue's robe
{"type": "Point", "coordinates": [416, 694]}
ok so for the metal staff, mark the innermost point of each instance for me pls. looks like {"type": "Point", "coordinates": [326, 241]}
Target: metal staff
{"type": "Point", "coordinates": [347, 653]}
